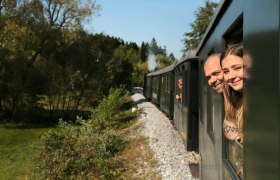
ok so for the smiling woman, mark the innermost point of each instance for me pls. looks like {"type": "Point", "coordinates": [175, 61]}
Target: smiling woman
{"type": "Point", "coordinates": [232, 66]}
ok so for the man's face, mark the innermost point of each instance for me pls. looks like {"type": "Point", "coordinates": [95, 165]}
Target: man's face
{"type": "Point", "coordinates": [213, 73]}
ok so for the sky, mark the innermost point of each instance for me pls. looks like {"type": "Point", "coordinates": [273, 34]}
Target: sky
{"type": "Point", "coordinates": [141, 20]}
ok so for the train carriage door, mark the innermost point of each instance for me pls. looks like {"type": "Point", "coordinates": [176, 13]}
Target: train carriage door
{"type": "Point", "coordinates": [189, 106]}
{"type": "Point", "coordinates": [186, 108]}
{"type": "Point", "coordinates": [184, 105]}
{"type": "Point", "coordinates": [192, 102]}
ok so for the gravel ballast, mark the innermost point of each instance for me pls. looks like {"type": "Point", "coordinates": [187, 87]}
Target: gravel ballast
{"type": "Point", "coordinates": [169, 151]}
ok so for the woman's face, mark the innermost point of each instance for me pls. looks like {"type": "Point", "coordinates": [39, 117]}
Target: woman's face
{"type": "Point", "coordinates": [233, 72]}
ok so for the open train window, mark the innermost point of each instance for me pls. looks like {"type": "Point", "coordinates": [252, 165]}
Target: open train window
{"type": "Point", "coordinates": [185, 84]}
{"type": "Point", "coordinates": [203, 91]}
{"type": "Point", "coordinates": [210, 108]}
{"type": "Point", "coordinates": [233, 150]}
{"type": "Point", "coordinates": [210, 122]}
{"type": "Point", "coordinates": [179, 85]}
{"type": "Point", "coordinates": [234, 34]}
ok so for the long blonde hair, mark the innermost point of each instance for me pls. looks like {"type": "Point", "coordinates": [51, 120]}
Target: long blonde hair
{"type": "Point", "coordinates": [233, 99]}
{"type": "Point", "coordinates": [234, 108]}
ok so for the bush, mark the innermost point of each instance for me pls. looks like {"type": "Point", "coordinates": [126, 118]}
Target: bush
{"type": "Point", "coordinates": [87, 149]}
{"type": "Point", "coordinates": [74, 152]}
{"type": "Point", "coordinates": [110, 113]}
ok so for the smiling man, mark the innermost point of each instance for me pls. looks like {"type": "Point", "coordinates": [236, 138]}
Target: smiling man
{"type": "Point", "coordinates": [213, 72]}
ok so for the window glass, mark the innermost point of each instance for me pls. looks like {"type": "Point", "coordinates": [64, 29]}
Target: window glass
{"type": "Point", "coordinates": [235, 157]}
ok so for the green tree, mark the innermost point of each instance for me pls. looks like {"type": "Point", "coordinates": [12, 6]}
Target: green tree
{"type": "Point", "coordinates": [139, 70]}
{"type": "Point", "coordinates": [120, 67]}
{"type": "Point", "coordinates": [199, 26]}
{"type": "Point", "coordinates": [163, 61]}
{"type": "Point", "coordinates": [144, 51]}
{"type": "Point", "coordinates": [33, 30]}
{"type": "Point", "coordinates": [155, 49]}
{"type": "Point", "coordinates": [7, 7]}
{"type": "Point", "coordinates": [172, 57]}
{"type": "Point", "coordinates": [52, 16]}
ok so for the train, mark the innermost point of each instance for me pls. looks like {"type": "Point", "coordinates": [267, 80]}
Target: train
{"type": "Point", "coordinates": [198, 111]}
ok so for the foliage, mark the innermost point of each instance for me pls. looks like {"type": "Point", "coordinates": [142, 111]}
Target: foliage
{"type": "Point", "coordinates": [120, 66]}
{"type": "Point", "coordinates": [144, 51]}
{"type": "Point", "coordinates": [108, 114]}
{"type": "Point", "coordinates": [155, 49]}
{"type": "Point", "coordinates": [31, 33]}
{"type": "Point", "coordinates": [83, 151]}
{"type": "Point", "coordinates": [75, 152]}
{"type": "Point", "coordinates": [139, 70]}
{"type": "Point", "coordinates": [48, 62]}
{"type": "Point", "coordinates": [199, 26]}
{"type": "Point", "coordinates": [163, 61]}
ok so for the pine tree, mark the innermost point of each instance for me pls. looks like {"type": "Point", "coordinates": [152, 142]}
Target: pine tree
{"type": "Point", "coordinates": [199, 26]}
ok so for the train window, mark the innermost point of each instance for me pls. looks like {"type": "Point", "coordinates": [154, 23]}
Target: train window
{"type": "Point", "coordinates": [155, 88]}
{"type": "Point", "coordinates": [210, 108]}
{"type": "Point", "coordinates": [235, 157]}
{"type": "Point", "coordinates": [235, 33]}
{"type": "Point", "coordinates": [210, 114]}
{"type": "Point", "coordinates": [185, 85]}
{"type": "Point", "coordinates": [203, 91]}
{"type": "Point", "coordinates": [233, 150]}
{"type": "Point", "coordinates": [179, 87]}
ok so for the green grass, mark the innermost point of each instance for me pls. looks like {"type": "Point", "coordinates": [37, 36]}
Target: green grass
{"type": "Point", "coordinates": [17, 148]}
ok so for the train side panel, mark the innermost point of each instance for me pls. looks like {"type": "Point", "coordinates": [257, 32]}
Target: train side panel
{"type": "Point", "coordinates": [212, 144]}
{"type": "Point", "coordinates": [148, 89]}
{"type": "Point", "coordinates": [262, 122]}
{"type": "Point", "coordinates": [167, 93]}
{"type": "Point", "coordinates": [185, 109]}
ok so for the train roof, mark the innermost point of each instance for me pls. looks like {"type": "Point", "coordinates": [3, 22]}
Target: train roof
{"type": "Point", "coordinates": [188, 57]}
{"type": "Point", "coordinates": [214, 21]}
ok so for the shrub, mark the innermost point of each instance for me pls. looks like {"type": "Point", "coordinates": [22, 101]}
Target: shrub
{"type": "Point", "coordinates": [73, 152]}
{"type": "Point", "coordinates": [87, 149]}
{"type": "Point", "coordinates": [110, 112]}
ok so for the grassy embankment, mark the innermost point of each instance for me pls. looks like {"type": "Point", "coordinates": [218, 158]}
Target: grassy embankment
{"type": "Point", "coordinates": [17, 148]}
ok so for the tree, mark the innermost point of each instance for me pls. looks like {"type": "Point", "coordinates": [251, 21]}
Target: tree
{"type": "Point", "coordinates": [155, 48]}
{"type": "Point", "coordinates": [144, 51]}
{"type": "Point", "coordinates": [139, 70]}
{"type": "Point", "coordinates": [7, 7]}
{"type": "Point", "coordinates": [120, 67]}
{"type": "Point", "coordinates": [51, 16]}
{"type": "Point", "coordinates": [31, 32]}
{"type": "Point", "coordinates": [199, 26]}
{"type": "Point", "coordinates": [163, 61]}
{"type": "Point", "coordinates": [172, 57]}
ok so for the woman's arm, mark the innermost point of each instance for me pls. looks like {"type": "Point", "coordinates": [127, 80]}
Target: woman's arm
{"type": "Point", "coordinates": [230, 130]}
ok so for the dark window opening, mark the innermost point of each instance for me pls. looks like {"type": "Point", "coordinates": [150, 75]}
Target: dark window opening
{"type": "Point", "coordinates": [233, 150]}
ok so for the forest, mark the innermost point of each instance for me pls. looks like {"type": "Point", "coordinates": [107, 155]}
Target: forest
{"type": "Point", "coordinates": [50, 67]}
{"type": "Point", "coordinates": [65, 105]}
